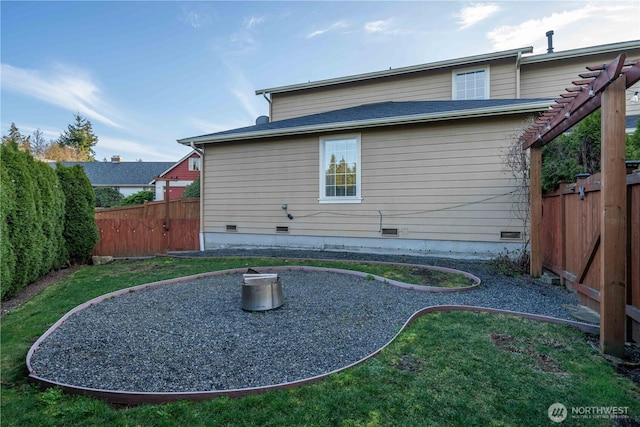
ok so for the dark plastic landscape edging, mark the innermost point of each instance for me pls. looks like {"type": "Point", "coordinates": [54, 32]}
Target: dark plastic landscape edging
{"type": "Point", "coordinates": [129, 398]}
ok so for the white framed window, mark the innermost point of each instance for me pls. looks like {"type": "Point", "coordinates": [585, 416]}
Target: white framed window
{"type": "Point", "coordinates": [194, 163]}
{"type": "Point", "coordinates": [340, 169]}
{"type": "Point", "coordinates": [470, 84]}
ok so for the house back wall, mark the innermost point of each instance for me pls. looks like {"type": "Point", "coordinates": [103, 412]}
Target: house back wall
{"type": "Point", "coordinates": [442, 183]}
{"type": "Point", "coordinates": [431, 85]}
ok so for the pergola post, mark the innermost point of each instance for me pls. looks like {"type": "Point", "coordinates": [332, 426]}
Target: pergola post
{"type": "Point", "coordinates": [535, 193]}
{"type": "Point", "coordinates": [613, 220]}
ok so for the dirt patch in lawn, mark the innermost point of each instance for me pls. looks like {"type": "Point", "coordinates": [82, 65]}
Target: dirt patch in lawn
{"type": "Point", "coordinates": [33, 289]}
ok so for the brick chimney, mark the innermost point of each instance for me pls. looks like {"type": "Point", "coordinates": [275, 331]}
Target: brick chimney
{"type": "Point", "coordinates": [116, 159]}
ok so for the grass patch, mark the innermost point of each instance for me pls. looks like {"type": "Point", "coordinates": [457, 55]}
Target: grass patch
{"type": "Point", "coordinates": [446, 369]}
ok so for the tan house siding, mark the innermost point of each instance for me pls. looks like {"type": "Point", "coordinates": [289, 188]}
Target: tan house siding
{"type": "Point", "coordinates": [550, 78]}
{"type": "Point", "coordinates": [437, 86]}
{"type": "Point", "coordinates": [432, 85]}
{"type": "Point", "coordinates": [434, 182]}
{"type": "Point", "coordinates": [503, 81]}
{"type": "Point", "coordinates": [539, 78]}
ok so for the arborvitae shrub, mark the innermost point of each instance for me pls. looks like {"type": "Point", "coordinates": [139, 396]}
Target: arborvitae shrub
{"type": "Point", "coordinates": [52, 201]}
{"type": "Point", "coordinates": [80, 230]}
{"type": "Point", "coordinates": [7, 254]}
{"type": "Point", "coordinates": [23, 233]}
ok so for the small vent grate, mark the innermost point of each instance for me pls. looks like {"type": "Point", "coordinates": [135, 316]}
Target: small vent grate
{"type": "Point", "coordinates": [389, 231]}
{"type": "Point", "coordinates": [282, 229]}
{"type": "Point", "coordinates": [510, 235]}
{"type": "Point", "coordinates": [232, 228]}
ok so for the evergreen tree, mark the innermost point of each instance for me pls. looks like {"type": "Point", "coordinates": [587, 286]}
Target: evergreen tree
{"type": "Point", "coordinates": [633, 144]}
{"type": "Point", "coordinates": [79, 136]}
{"type": "Point", "coordinates": [14, 137]}
{"type": "Point", "coordinates": [80, 229]}
{"type": "Point", "coordinates": [579, 151]}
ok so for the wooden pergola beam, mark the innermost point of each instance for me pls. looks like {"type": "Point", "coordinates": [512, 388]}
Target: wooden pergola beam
{"type": "Point", "coordinates": [577, 108]}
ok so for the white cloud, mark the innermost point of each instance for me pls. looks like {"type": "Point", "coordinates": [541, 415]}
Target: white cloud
{"type": "Point", "coordinates": [64, 86]}
{"type": "Point", "coordinates": [333, 27]}
{"type": "Point", "coordinates": [382, 26]}
{"type": "Point", "coordinates": [253, 21]}
{"type": "Point", "coordinates": [471, 15]}
{"type": "Point", "coordinates": [603, 23]}
{"type": "Point", "coordinates": [242, 89]}
{"type": "Point", "coordinates": [195, 19]}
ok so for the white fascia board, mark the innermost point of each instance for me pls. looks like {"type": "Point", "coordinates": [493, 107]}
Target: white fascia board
{"type": "Point", "coordinates": [576, 53]}
{"type": "Point", "coordinates": [528, 107]}
{"type": "Point", "coordinates": [467, 61]}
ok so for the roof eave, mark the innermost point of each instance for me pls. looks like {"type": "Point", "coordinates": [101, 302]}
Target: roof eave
{"type": "Point", "coordinates": [469, 60]}
{"type": "Point", "coordinates": [576, 53]}
{"type": "Point", "coordinates": [528, 107]}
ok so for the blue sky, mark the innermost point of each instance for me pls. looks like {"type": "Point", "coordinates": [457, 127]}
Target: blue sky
{"type": "Point", "coordinates": [148, 73]}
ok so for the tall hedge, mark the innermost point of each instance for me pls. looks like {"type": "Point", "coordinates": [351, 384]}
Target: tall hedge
{"type": "Point", "coordinates": [80, 229]}
{"type": "Point", "coordinates": [32, 214]}
{"type": "Point", "coordinates": [7, 208]}
{"type": "Point", "coordinates": [52, 205]}
{"type": "Point", "coordinates": [23, 234]}
{"type": "Point", "coordinates": [46, 218]}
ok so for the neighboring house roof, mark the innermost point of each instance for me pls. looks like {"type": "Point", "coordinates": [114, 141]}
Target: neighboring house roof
{"type": "Point", "coordinates": [375, 115]}
{"type": "Point", "coordinates": [119, 174]}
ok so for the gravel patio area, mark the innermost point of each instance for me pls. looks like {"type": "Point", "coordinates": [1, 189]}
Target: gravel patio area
{"type": "Point", "coordinates": [194, 336]}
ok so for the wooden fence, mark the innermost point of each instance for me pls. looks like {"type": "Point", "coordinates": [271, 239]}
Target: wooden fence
{"type": "Point", "coordinates": [150, 229]}
{"type": "Point", "coordinates": [571, 242]}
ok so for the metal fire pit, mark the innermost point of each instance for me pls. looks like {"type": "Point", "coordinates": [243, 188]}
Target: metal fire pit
{"type": "Point", "coordinates": [261, 292]}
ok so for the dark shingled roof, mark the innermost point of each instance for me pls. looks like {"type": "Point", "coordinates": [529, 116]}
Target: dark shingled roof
{"type": "Point", "coordinates": [383, 110]}
{"type": "Point", "coordinates": [121, 173]}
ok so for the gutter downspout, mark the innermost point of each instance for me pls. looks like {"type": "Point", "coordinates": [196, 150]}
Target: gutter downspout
{"type": "Point", "coordinates": [201, 232]}
{"type": "Point", "coordinates": [518, 63]}
{"type": "Point", "coordinates": [197, 150]}
{"type": "Point", "coordinates": [264, 94]}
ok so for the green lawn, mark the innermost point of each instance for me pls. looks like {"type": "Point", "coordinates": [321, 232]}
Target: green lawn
{"type": "Point", "coordinates": [446, 369]}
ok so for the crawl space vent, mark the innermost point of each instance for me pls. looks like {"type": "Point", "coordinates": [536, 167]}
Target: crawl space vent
{"type": "Point", "coordinates": [282, 229]}
{"type": "Point", "coordinates": [389, 231]}
{"type": "Point", "coordinates": [232, 228]}
{"type": "Point", "coordinates": [510, 235]}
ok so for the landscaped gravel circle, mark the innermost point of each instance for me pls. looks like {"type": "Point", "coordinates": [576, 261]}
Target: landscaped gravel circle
{"type": "Point", "coordinates": [194, 336]}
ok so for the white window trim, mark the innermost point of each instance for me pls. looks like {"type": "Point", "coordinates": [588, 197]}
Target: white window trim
{"type": "Point", "coordinates": [321, 178]}
{"type": "Point", "coordinates": [191, 162]}
{"type": "Point", "coordinates": [487, 85]}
